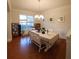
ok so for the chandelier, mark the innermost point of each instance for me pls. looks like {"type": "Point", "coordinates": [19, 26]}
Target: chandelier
{"type": "Point", "coordinates": [39, 16]}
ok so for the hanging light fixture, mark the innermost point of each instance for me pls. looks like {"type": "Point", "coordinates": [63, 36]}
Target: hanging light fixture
{"type": "Point", "coordinates": [39, 16]}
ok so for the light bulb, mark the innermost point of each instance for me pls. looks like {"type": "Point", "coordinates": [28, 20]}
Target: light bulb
{"type": "Point", "coordinates": [36, 16]}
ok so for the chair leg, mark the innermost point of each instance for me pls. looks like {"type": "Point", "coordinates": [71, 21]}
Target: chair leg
{"type": "Point", "coordinates": [39, 48]}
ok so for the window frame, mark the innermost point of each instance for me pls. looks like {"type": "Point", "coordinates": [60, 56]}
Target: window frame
{"type": "Point", "coordinates": [26, 21]}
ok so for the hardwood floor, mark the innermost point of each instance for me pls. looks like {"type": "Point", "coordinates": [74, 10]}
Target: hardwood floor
{"type": "Point", "coordinates": [22, 48]}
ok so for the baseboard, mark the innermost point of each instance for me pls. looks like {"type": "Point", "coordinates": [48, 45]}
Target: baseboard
{"type": "Point", "coordinates": [68, 49]}
{"type": "Point", "coordinates": [9, 40]}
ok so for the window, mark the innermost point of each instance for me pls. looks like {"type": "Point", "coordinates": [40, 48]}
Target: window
{"type": "Point", "coordinates": [27, 22]}
{"type": "Point", "coordinates": [22, 17]}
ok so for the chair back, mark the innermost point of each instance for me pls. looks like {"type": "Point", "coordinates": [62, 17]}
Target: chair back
{"type": "Point", "coordinates": [35, 37]}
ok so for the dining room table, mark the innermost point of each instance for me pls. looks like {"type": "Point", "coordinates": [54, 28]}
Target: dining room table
{"type": "Point", "coordinates": [48, 38]}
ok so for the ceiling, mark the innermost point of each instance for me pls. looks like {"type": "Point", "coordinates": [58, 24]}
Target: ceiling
{"type": "Point", "coordinates": [33, 5]}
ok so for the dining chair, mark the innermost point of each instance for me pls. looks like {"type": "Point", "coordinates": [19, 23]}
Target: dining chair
{"type": "Point", "coordinates": [36, 39]}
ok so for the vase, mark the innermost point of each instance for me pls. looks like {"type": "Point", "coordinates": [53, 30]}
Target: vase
{"type": "Point", "coordinates": [43, 32]}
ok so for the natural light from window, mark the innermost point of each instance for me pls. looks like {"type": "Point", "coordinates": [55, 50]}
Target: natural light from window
{"type": "Point", "coordinates": [27, 22]}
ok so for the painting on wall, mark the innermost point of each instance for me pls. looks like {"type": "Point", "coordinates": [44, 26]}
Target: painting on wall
{"type": "Point", "coordinates": [51, 19]}
{"type": "Point", "coordinates": [61, 19]}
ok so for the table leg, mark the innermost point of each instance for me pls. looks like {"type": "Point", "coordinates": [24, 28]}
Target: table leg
{"type": "Point", "coordinates": [48, 46]}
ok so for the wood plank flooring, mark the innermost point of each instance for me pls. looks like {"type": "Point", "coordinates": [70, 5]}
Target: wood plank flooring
{"type": "Point", "coordinates": [23, 48]}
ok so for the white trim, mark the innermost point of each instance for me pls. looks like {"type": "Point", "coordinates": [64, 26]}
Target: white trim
{"type": "Point", "coordinates": [9, 40]}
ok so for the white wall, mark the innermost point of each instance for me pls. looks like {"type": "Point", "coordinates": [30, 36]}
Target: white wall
{"type": "Point", "coordinates": [60, 27]}
{"type": "Point", "coordinates": [9, 19]}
